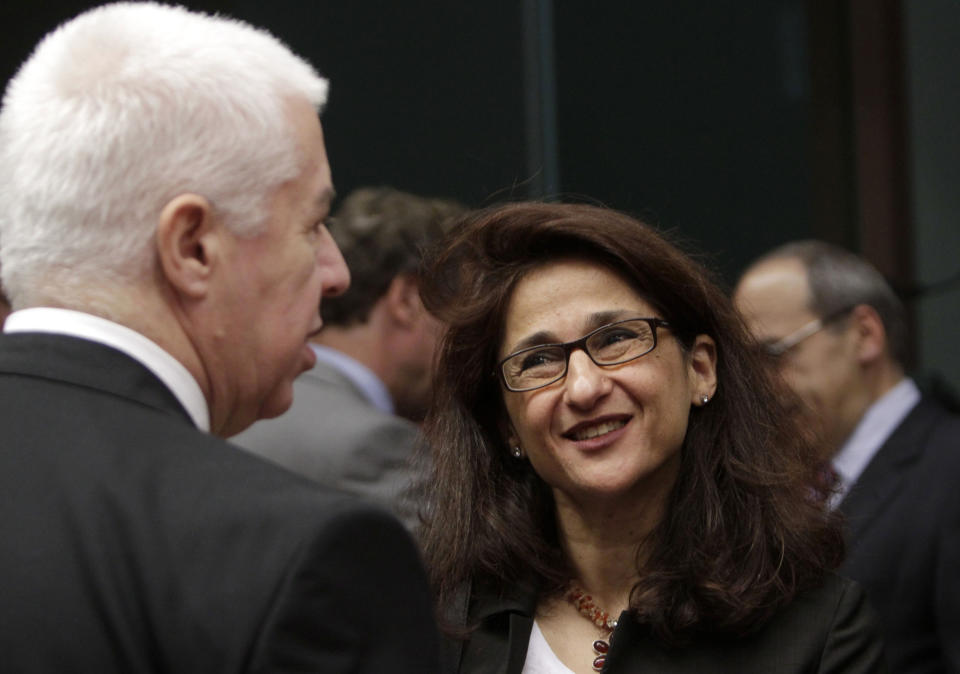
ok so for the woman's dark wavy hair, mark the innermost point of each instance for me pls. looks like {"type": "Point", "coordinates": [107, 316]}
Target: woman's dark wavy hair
{"type": "Point", "coordinates": [742, 534]}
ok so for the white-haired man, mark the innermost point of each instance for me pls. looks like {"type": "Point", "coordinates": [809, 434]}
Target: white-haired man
{"type": "Point", "coordinates": [165, 185]}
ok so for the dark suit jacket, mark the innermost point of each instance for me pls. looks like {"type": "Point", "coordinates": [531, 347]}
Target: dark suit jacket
{"type": "Point", "coordinates": [333, 435]}
{"type": "Point", "coordinates": [903, 519]}
{"type": "Point", "coordinates": [829, 629]}
{"type": "Point", "coordinates": [131, 542]}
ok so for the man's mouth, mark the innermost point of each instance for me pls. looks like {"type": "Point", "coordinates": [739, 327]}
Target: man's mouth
{"type": "Point", "coordinates": [595, 430]}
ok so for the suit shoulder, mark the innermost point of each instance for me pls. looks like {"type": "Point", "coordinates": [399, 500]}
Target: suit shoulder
{"type": "Point", "coordinates": [323, 414]}
{"type": "Point", "coordinates": [835, 625]}
{"type": "Point", "coordinates": [836, 600]}
{"type": "Point", "coordinates": [828, 595]}
{"type": "Point", "coordinates": [942, 425]}
{"type": "Point", "coordinates": [940, 430]}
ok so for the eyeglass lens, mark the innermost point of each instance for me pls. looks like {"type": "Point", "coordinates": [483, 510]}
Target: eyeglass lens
{"type": "Point", "coordinates": [610, 345]}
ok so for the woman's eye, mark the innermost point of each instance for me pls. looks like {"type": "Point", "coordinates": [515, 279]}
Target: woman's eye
{"type": "Point", "coordinates": [614, 336]}
{"type": "Point", "coordinates": [537, 359]}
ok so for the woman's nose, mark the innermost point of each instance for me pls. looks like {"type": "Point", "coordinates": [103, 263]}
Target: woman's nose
{"type": "Point", "coordinates": [586, 382]}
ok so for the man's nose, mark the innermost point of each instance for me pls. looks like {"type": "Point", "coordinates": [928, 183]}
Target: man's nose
{"type": "Point", "coordinates": [336, 275]}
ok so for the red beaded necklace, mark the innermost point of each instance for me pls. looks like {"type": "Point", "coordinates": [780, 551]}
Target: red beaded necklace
{"type": "Point", "coordinates": [584, 604]}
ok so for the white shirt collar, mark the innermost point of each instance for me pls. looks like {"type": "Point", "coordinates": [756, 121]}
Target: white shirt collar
{"type": "Point", "coordinates": [873, 429]}
{"type": "Point", "coordinates": [86, 326]}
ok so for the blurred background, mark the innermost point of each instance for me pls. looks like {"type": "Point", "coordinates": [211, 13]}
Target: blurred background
{"type": "Point", "coordinates": [734, 124]}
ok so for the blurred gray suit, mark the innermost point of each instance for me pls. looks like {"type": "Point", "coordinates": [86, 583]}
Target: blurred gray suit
{"type": "Point", "coordinates": [335, 436]}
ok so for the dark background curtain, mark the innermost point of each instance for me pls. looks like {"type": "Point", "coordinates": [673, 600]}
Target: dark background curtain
{"type": "Point", "coordinates": [734, 125]}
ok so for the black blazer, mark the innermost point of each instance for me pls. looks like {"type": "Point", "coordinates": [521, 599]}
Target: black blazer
{"type": "Point", "coordinates": [828, 630]}
{"type": "Point", "coordinates": [131, 542]}
{"type": "Point", "coordinates": [903, 521]}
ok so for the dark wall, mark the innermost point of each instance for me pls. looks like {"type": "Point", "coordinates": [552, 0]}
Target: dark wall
{"type": "Point", "coordinates": [425, 96]}
{"type": "Point", "coordinates": [697, 116]}
{"type": "Point", "coordinates": [691, 114]}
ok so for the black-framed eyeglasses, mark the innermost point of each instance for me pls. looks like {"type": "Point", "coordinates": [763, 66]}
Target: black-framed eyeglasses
{"type": "Point", "coordinates": [611, 344]}
{"type": "Point", "coordinates": [781, 346]}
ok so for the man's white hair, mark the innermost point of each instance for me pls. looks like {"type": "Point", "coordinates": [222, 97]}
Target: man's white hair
{"type": "Point", "coordinates": [118, 111]}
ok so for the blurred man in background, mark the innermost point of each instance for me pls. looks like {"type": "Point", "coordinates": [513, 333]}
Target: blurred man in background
{"type": "Point", "coordinates": [838, 333]}
{"type": "Point", "coordinates": [353, 424]}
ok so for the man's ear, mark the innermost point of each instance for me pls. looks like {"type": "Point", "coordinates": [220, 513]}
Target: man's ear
{"type": "Point", "coordinates": [868, 330]}
{"type": "Point", "coordinates": [703, 369]}
{"type": "Point", "coordinates": [187, 243]}
{"type": "Point", "coordinates": [403, 300]}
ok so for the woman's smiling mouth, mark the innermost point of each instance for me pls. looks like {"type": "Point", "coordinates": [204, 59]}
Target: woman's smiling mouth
{"type": "Point", "coordinates": [593, 430]}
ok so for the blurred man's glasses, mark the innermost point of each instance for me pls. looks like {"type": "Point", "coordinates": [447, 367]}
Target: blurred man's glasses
{"type": "Point", "coordinates": [781, 346]}
{"type": "Point", "coordinates": [611, 344]}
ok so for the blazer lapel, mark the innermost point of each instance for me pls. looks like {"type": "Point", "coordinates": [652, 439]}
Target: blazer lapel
{"type": "Point", "coordinates": [886, 474]}
{"type": "Point", "coordinates": [516, 608]}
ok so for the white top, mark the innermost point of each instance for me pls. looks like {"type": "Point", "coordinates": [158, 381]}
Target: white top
{"type": "Point", "coordinates": [873, 429]}
{"type": "Point", "coordinates": [540, 657]}
{"type": "Point", "coordinates": [95, 329]}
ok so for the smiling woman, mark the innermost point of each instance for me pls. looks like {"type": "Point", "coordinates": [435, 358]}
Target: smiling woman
{"type": "Point", "coordinates": [607, 445]}
{"type": "Point", "coordinates": [606, 438]}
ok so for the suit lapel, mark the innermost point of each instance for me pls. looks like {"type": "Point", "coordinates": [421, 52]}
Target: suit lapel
{"type": "Point", "coordinates": [887, 473]}
{"type": "Point", "coordinates": [84, 363]}
{"type": "Point", "coordinates": [514, 609]}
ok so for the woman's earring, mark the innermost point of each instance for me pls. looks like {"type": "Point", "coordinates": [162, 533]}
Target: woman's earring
{"type": "Point", "coordinates": [704, 399]}
{"type": "Point", "coordinates": [517, 452]}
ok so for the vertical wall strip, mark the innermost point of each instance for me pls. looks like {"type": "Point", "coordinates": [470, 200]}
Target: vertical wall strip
{"type": "Point", "coordinates": [540, 100]}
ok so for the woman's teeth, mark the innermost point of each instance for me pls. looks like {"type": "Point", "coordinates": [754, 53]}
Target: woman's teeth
{"type": "Point", "coordinates": [599, 429]}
